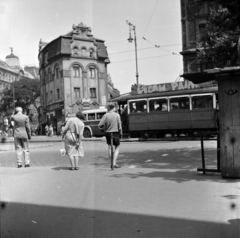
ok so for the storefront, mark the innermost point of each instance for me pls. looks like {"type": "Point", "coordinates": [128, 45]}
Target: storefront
{"type": "Point", "coordinates": [55, 115]}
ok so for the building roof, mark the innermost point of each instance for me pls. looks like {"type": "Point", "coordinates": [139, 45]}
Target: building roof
{"type": "Point", "coordinates": [11, 56]}
{"type": "Point", "coordinates": [62, 44]}
{"type": "Point", "coordinates": [4, 65]}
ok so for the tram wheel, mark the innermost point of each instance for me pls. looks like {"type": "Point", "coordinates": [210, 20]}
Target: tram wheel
{"type": "Point", "coordinates": [87, 133]}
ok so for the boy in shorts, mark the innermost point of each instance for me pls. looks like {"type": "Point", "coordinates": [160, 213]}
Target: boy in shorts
{"type": "Point", "coordinates": [111, 124]}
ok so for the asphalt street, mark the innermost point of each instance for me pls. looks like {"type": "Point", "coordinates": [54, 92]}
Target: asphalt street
{"type": "Point", "coordinates": [156, 193]}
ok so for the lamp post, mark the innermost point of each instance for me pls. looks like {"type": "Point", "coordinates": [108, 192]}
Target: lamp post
{"type": "Point", "coordinates": [13, 89]}
{"type": "Point", "coordinates": [130, 39]}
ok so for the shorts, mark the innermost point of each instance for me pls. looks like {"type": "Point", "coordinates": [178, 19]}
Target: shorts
{"type": "Point", "coordinates": [116, 138]}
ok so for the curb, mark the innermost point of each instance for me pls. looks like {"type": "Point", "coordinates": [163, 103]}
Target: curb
{"type": "Point", "coordinates": [31, 147]}
{"type": "Point", "coordinates": [44, 140]}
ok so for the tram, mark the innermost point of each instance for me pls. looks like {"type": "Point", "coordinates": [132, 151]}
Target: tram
{"type": "Point", "coordinates": [179, 108]}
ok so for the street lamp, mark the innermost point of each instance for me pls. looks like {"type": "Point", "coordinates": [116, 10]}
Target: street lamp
{"type": "Point", "coordinates": [13, 89]}
{"type": "Point", "coordinates": [130, 40]}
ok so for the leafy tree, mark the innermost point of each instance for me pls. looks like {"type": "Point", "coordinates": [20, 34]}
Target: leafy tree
{"type": "Point", "coordinates": [26, 92]}
{"type": "Point", "coordinates": [222, 33]}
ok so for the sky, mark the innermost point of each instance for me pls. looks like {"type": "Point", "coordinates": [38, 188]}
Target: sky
{"type": "Point", "coordinates": [158, 32]}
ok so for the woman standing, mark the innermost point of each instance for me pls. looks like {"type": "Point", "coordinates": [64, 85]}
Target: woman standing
{"type": "Point", "coordinates": [73, 132]}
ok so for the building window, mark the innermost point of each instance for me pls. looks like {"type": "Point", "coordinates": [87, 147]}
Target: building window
{"type": "Point", "coordinates": [46, 99]}
{"type": "Point", "coordinates": [91, 53]}
{"type": "Point", "coordinates": [49, 76]}
{"type": "Point", "coordinates": [58, 93]}
{"type": "Point", "coordinates": [46, 78]}
{"type": "Point", "coordinates": [56, 73]}
{"type": "Point", "coordinates": [76, 71]}
{"type": "Point", "coordinates": [51, 96]}
{"type": "Point", "coordinates": [91, 73]}
{"type": "Point", "coordinates": [192, 30]}
{"type": "Point", "coordinates": [93, 93]}
{"type": "Point", "coordinates": [202, 31]}
{"type": "Point", "coordinates": [77, 93]}
{"type": "Point", "coordinates": [203, 8]}
{"type": "Point", "coordinates": [75, 50]}
{"type": "Point", "coordinates": [84, 52]}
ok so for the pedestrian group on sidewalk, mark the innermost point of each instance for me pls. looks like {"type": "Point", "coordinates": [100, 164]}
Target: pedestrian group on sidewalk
{"type": "Point", "coordinates": [72, 134]}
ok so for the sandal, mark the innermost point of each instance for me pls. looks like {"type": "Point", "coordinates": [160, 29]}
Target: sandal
{"type": "Point", "coordinates": [77, 168]}
{"type": "Point", "coordinates": [72, 168]}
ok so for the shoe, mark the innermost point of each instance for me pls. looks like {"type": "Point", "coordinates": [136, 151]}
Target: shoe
{"type": "Point", "coordinates": [27, 165]}
{"type": "Point", "coordinates": [19, 166]}
{"type": "Point", "coordinates": [77, 168]}
{"type": "Point", "coordinates": [116, 166]}
{"type": "Point", "coordinates": [72, 168]}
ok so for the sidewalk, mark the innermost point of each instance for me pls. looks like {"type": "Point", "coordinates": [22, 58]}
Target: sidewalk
{"type": "Point", "coordinates": [7, 143]}
{"type": "Point", "coordinates": [4, 139]}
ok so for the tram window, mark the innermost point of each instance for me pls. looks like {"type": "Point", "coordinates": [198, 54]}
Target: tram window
{"type": "Point", "coordinates": [138, 106]}
{"type": "Point", "coordinates": [100, 115]}
{"type": "Point", "coordinates": [181, 103]}
{"type": "Point", "coordinates": [91, 116]}
{"type": "Point", "coordinates": [158, 105]}
{"type": "Point", "coordinates": [202, 101]}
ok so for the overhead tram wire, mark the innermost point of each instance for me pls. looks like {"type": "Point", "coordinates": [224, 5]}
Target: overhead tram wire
{"type": "Point", "coordinates": [160, 47]}
{"type": "Point", "coordinates": [150, 17]}
{"type": "Point", "coordinates": [144, 49]}
{"type": "Point", "coordinates": [130, 51]}
{"type": "Point", "coordinates": [157, 46]}
{"type": "Point", "coordinates": [141, 59]}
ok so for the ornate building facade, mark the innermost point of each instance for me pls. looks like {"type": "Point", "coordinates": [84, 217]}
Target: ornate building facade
{"type": "Point", "coordinates": [11, 71]}
{"type": "Point", "coordinates": [194, 15]}
{"type": "Point", "coordinates": [73, 74]}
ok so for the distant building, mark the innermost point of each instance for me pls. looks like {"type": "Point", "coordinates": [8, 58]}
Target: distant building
{"type": "Point", "coordinates": [194, 14]}
{"type": "Point", "coordinates": [73, 74]}
{"type": "Point", "coordinates": [11, 71]}
{"type": "Point", "coordinates": [33, 70]}
{"type": "Point", "coordinates": [7, 76]}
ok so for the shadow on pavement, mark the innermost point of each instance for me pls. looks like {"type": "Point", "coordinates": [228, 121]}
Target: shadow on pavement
{"type": "Point", "coordinates": [165, 158]}
{"type": "Point", "coordinates": [61, 168]}
{"type": "Point", "coordinates": [179, 165]}
{"type": "Point", "coordinates": [19, 220]}
{"type": "Point", "coordinates": [177, 176]}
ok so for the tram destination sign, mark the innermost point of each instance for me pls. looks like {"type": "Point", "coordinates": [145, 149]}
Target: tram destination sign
{"type": "Point", "coordinates": [155, 88]}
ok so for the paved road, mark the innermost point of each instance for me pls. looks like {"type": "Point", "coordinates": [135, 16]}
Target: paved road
{"type": "Point", "coordinates": [156, 193]}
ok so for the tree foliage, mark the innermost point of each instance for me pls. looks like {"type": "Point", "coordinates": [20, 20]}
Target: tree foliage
{"type": "Point", "coordinates": [222, 33]}
{"type": "Point", "coordinates": [26, 92]}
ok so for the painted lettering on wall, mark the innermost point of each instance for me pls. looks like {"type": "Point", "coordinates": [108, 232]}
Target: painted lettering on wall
{"type": "Point", "coordinates": [155, 88]}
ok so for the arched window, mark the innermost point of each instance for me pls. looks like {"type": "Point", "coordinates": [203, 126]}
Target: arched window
{"type": "Point", "coordinates": [92, 72]}
{"type": "Point", "coordinates": [75, 50]}
{"type": "Point", "coordinates": [76, 71]}
{"type": "Point", "coordinates": [84, 52]}
{"type": "Point", "coordinates": [46, 77]}
{"type": "Point", "coordinates": [49, 76]}
{"type": "Point", "coordinates": [56, 72]}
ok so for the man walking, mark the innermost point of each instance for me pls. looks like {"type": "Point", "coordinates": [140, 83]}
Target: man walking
{"type": "Point", "coordinates": [111, 124]}
{"type": "Point", "coordinates": [21, 133]}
